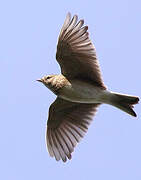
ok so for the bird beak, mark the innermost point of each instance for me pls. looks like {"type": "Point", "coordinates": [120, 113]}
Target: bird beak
{"type": "Point", "coordinates": [39, 80]}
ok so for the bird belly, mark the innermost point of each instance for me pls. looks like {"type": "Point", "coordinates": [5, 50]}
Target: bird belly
{"type": "Point", "coordinates": [82, 92]}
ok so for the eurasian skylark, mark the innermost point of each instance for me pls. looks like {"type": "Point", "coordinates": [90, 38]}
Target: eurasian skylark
{"type": "Point", "coordinates": [79, 89]}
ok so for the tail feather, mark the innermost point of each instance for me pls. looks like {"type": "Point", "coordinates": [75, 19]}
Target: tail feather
{"type": "Point", "coordinates": [125, 103]}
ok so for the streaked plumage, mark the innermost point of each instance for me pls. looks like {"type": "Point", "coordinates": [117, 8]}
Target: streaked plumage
{"type": "Point", "coordinates": [79, 89]}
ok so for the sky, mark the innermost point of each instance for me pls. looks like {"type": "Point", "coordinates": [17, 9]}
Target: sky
{"type": "Point", "coordinates": [28, 36]}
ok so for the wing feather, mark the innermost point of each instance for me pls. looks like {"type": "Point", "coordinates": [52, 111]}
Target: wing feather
{"type": "Point", "coordinates": [66, 24]}
{"type": "Point", "coordinates": [54, 148]}
{"type": "Point", "coordinates": [63, 145]}
{"type": "Point", "coordinates": [67, 124]}
{"type": "Point", "coordinates": [76, 51]}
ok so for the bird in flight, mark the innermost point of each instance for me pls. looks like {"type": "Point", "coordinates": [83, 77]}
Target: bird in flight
{"type": "Point", "coordinates": [79, 88]}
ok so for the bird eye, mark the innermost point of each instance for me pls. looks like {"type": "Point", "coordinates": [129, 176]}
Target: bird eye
{"type": "Point", "coordinates": [48, 77]}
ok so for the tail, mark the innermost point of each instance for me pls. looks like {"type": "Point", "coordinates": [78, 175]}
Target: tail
{"type": "Point", "coordinates": [124, 102]}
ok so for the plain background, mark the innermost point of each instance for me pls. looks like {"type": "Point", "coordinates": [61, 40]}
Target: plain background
{"type": "Point", "coordinates": [28, 37]}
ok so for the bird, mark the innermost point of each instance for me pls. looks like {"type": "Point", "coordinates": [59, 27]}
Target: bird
{"type": "Point", "coordinates": [80, 90]}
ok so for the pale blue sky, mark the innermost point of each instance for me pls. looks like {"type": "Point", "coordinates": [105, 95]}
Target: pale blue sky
{"type": "Point", "coordinates": [28, 36]}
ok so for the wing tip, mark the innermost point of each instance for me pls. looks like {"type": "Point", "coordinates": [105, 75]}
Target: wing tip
{"type": "Point", "coordinates": [69, 15]}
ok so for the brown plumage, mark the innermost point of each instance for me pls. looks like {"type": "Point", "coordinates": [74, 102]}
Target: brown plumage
{"type": "Point", "coordinates": [67, 124]}
{"type": "Point", "coordinates": [79, 89]}
{"type": "Point", "coordinates": [74, 49]}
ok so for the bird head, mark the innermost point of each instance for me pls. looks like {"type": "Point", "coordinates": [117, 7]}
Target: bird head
{"type": "Point", "coordinates": [50, 81]}
{"type": "Point", "coordinates": [46, 80]}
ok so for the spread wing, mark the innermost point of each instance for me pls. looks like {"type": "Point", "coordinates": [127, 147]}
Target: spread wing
{"type": "Point", "coordinates": [67, 124]}
{"type": "Point", "coordinates": [76, 53]}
